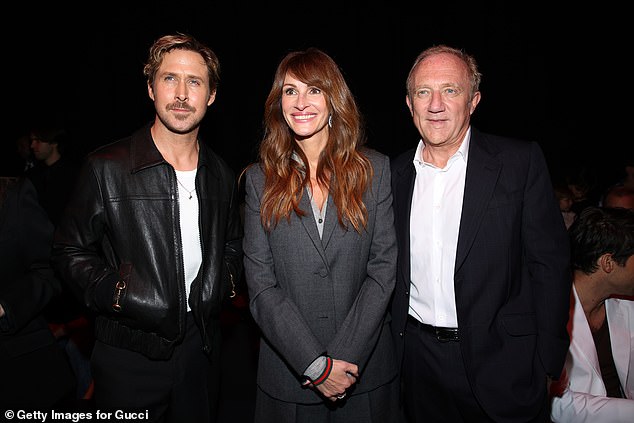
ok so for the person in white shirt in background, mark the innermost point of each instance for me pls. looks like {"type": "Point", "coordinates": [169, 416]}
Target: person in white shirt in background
{"type": "Point", "coordinates": [597, 384]}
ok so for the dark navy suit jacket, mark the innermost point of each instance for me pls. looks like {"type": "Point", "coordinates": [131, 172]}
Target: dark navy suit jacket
{"type": "Point", "coordinates": [512, 280]}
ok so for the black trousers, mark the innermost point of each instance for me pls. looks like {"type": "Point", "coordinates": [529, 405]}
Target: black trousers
{"type": "Point", "coordinates": [435, 385]}
{"type": "Point", "coordinates": [173, 390]}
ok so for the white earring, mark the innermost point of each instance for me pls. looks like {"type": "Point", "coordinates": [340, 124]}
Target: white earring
{"type": "Point", "coordinates": [330, 121]}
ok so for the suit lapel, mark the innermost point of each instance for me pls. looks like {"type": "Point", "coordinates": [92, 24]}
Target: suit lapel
{"type": "Point", "coordinates": [308, 221]}
{"type": "Point", "coordinates": [403, 191]}
{"type": "Point", "coordinates": [483, 170]}
{"type": "Point", "coordinates": [330, 222]}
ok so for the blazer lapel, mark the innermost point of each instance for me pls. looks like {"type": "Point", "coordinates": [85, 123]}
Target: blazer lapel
{"type": "Point", "coordinates": [403, 191]}
{"type": "Point", "coordinates": [483, 171]}
{"type": "Point", "coordinates": [330, 222]}
{"type": "Point", "coordinates": [308, 221]}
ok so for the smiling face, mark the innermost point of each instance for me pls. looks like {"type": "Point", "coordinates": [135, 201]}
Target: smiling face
{"type": "Point", "coordinates": [181, 91]}
{"type": "Point", "coordinates": [305, 109]}
{"type": "Point", "coordinates": [440, 101]}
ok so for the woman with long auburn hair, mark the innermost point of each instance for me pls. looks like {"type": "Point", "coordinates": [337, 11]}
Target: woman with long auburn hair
{"type": "Point", "coordinates": [320, 253]}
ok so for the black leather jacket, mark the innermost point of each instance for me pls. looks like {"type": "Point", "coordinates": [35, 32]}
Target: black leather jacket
{"type": "Point", "coordinates": [122, 225]}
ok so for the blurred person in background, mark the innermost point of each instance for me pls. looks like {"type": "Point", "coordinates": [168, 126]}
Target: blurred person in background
{"type": "Point", "coordinates": [597, 384]}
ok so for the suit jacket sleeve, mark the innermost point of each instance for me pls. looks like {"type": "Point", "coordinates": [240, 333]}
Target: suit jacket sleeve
{"type": "Point", "coordinates": [275, 312]}
{"type": "Point", "coordinates": [548, 256]}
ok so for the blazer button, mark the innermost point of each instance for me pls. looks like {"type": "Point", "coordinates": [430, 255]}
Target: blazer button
{"type": "Point", "coordinates": [323, 273]}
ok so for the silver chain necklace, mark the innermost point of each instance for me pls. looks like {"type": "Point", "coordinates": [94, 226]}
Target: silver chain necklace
{"type": "Point", "coordinates": [185, 188]}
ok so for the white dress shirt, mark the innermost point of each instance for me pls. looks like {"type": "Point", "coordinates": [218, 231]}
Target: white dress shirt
{"type": "Point", "coordinates": [434, 223]}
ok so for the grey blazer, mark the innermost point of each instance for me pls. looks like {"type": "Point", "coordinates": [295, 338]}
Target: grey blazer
{"type": "Point", "coordinates": [312, 296]}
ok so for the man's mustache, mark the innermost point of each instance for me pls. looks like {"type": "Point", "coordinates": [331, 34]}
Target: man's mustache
{"type": "Point", "coordinates": [180, 106]}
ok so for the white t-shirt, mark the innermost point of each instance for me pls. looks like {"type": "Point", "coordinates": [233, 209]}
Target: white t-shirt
{"type": "Point", "coordinates": [188, 204]}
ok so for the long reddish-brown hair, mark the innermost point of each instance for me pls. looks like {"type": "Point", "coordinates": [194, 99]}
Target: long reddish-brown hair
{"type": "Point", "coordinates": [342, 167]}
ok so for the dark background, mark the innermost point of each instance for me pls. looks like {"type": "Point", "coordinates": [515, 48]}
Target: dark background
{"type": "Point", "coordinates": [552, 73]}
{"type": "Point", "coordinates": [546, 75]}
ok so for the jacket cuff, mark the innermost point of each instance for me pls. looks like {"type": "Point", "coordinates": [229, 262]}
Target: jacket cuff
{"type": "Point", "coordinates": [325, 373]}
